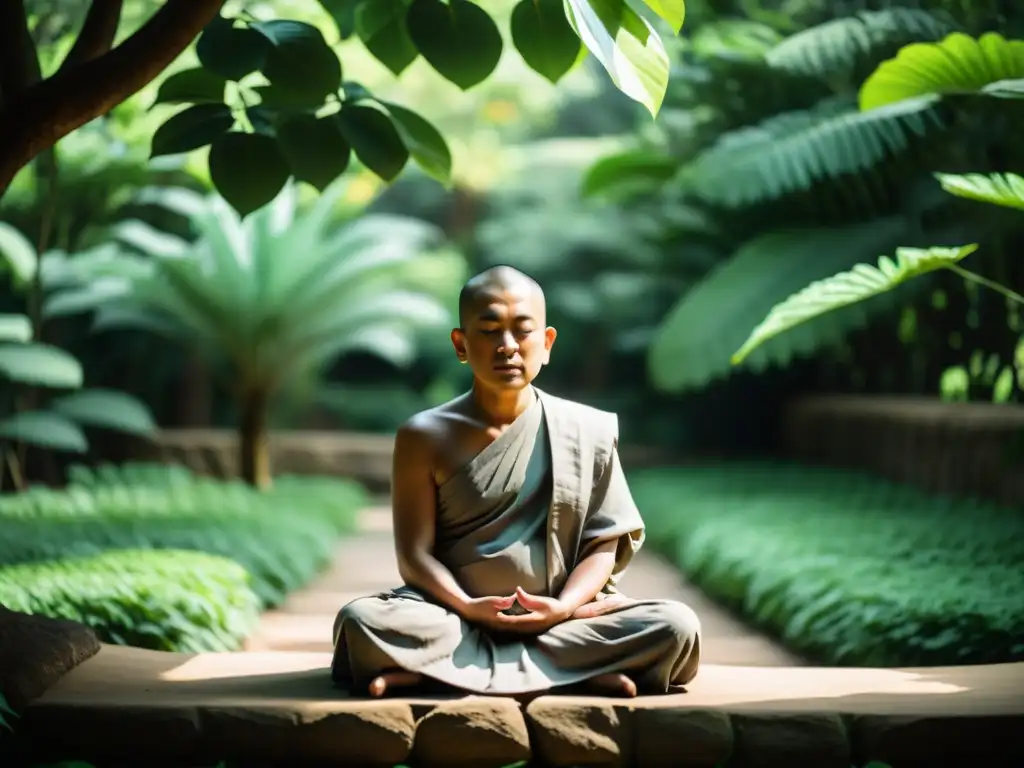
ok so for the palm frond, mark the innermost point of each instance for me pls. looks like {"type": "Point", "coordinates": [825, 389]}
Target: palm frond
{"type": "Point", "coordinates": [859, 284]}
{"type": "Point", "coordinates": [795, 150]}
{"type": "Point", "coordinates": [838, 48]}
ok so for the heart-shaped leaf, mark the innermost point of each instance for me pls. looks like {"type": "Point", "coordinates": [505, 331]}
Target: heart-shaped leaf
{"type": "Point", "coordinates": [458, 38]}
{"type": "Point", "coordinates": [299, 61]}
{"type": "Point", "coordinates": [316, 151]}
{"type": "Point", "coordinates": [248, 169]}
{"type": "Point", "coordinates": [193, 127]}
{"type": "Point", "coordinates": [424, 142]}
{"type": "Point", "coordinates": [544, 37]}
{"type": "Point", "coordinates": [374, 139]}
{"type": "Point", "coordinates": [344, 14]}
{"type": "Point", "coordinates": [382, 28]}
{"type": "Point", "coordinates": [229, 51]}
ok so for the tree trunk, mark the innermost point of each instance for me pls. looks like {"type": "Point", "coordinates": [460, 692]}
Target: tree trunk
{"type": "Point", "coordinates": [253, 439]}
{"type": "Point", "coordinates": [42, 114]}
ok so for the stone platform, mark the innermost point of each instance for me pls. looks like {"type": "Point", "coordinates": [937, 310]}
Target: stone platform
{"type": "Point", "coordinates": [280, 708]}
{"type": "Point", "coordinates": [753, 704]}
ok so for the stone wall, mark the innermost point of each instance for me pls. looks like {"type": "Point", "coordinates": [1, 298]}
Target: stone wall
{"type": "Point", "coordinates": [964, 449]}
{"type": "Point", "coordinates": [361, 456]}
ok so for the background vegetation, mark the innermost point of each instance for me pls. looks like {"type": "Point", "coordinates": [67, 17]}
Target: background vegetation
{"type": "Point", "coordinates": [147, 289]}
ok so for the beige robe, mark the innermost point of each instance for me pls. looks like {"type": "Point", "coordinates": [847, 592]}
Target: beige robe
{"type": "Point", "coordinates": [525, 510]}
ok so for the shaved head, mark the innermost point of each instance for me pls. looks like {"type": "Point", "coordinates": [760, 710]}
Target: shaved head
{"type": "Point", "coordinates": [499, 279]}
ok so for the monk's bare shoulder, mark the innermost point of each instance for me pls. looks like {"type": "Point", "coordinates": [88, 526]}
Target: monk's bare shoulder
{"type": "Point", "coordinates": [431, 435]}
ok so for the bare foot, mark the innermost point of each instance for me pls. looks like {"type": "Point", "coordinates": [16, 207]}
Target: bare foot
{"type": "Point", "coordinates": [380, 685]}
{"type": "Point", "coordinates": [613, 684]}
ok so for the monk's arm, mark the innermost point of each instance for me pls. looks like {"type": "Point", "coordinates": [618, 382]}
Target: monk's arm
{"type": "Point", "coordinates": [414, 507]}
{"type": "Point", "coordinates": [589, 577]}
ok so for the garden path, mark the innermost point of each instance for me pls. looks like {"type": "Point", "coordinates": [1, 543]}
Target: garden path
{"type": "Point", "coordinates": [365, 563]}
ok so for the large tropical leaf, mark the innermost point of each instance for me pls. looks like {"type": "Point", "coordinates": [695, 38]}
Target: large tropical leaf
{"type": "Point", "coordinates": [794, 150]}
{"type": "Point", "coordinates": [107, 409]}
{"type": "Point", "coordinates": [16, 328]}
{"type": "Point", "coordinates": [40, 365]}
{"type": "Point", "coordinates": [45, 429]}
{"type": "Point", "coordinates": [838, 48]}
{"type": "Point", "coordinates": [696, 340]}
{"type": "Point", "coordinates": [1004, 189]}
{"type": "Point", "coordinates": [19, 255]}
{"type": "Point", "coordinates": [858, 284]}
{"type": "Point", "coordinates": [957, 64]}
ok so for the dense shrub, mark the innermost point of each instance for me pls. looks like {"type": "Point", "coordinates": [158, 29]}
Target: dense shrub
{"type": "Point", "coordinates": [167, 600]}
{"type": "Point", "coordinates": [847, 569]}
{"type": "Point", "coordinates": [282, 537]}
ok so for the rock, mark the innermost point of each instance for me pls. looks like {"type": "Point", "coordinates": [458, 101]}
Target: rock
{"type": "Point", "coordinates": [781, 740]}
{"type": "Point", "coordinates": [378, 733]}
{"type": "Point", "coordinates": [478, 732]}
{"type": "Point", "coordinates": [681, 737]}
{"type": "Point", "coordinates": [570, 731]}
{"type": "Point", "coordinates": [36, 651]}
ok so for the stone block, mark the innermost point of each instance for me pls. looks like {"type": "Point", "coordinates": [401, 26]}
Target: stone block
{"type": "Point", "coordinates": [939, 742]}
{"type": "Point", "coordinates": [782, 740]}
{"type": "Point", "coordinates": [570, 731]}
{"type": "Point", "coordinates": [678, 737]}
{"type": "Point", "coordinates": [472, 733]}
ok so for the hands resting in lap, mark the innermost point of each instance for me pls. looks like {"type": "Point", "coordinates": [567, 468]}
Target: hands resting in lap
{"type": "Point", "coordinates": [542, 612]}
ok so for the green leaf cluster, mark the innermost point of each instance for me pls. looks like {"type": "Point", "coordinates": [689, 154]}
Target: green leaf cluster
{"type": "Point", "coordinates": [845, 568]}
{"type": "Point", "coordinates": [271, 101]}
{"type": "Point", "coordinates": [167, 601]}
{"type": "Point", "coordinates": [282, 537]}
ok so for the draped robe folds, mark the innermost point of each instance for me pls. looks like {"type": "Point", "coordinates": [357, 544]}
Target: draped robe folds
{"type": "Point", "coordinates": [524, 512]}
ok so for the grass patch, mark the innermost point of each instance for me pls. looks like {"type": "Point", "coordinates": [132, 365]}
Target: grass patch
{"type": "Point", "coordinates": [163, 600]}
{"type": "Point", "coordinates": [283, 537]}
{"type": "Point", "coordinates": [845, 568]}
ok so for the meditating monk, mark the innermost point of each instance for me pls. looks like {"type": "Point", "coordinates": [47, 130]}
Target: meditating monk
{"type": "Point", "coordinates": [512, 523]}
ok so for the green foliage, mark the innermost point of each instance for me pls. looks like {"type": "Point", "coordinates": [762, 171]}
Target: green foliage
{"type": "Point", "coordinates": [958, 64]}
{"type": "Point", "coordinates": [282, 537]}
{"type": "Point", "coordinates": [846, 569]}
{"type": "Point", "coordinates": [858, 284]}
{"type": "Point", "coordinates": [276, 294]}
{"type": "Point", "coordinates": [694, 343]}
{"type": "Point", "coordinates": [1004, 189]}
{"type": "Point", "coordinates": [167, 601]}
{"type": "Point", "coordinates": [840, 47]}
{"type": "Point", "coordinates": [276, 89]}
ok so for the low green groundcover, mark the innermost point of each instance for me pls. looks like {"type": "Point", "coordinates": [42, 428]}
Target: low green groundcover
{"type": "Point", "coordinates": [847, 569]}
{"type": "Point", "coordinates": [165, 600]}
{"type": "Point", "coordinates": [282, 537]}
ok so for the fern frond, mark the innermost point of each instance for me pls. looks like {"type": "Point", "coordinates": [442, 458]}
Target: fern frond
{"type": "Point", "coordinates": [792, 151]}
{"type": "Point", "coordinates": [857, 285]}
{"type": "Point", "coordinates": [839, 47]}
{"type": "Point", "coordinates": [1004, 189]}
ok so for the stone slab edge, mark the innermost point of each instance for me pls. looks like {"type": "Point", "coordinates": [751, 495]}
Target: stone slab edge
{"type": "Point", "coordinates": [488, 732]}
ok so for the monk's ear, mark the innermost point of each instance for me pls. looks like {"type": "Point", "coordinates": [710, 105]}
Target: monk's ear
{"type": "Point", "coordinates": [459, 342]}
{"type": "Point", "coordinates": [550, 334]}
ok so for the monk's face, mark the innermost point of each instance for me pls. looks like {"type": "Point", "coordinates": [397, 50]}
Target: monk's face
{"type": "Point", "coordinates": [504, 339]}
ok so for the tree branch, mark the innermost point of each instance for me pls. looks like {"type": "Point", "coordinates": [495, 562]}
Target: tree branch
{"type": "Point", "coordinates": [42, 115]}
{"type": "Point", "coordinates": [97, 34]}
{"type": "Point", "coordinates": [19, 64]}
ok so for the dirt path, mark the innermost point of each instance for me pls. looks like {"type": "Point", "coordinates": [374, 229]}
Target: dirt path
{"type": "Point", "coordinates": [365, 563]}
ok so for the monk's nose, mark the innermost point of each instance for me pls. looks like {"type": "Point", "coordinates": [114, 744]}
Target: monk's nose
{"type": "Point", "coordinates": [508, 345]}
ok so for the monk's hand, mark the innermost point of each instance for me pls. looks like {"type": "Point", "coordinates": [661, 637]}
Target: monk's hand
{"type": "Point", "coordinates": [544, 613]}
{"type": "Point", "coordinates": [488, 610]}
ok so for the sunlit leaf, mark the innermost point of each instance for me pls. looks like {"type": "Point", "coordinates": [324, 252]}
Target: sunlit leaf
{"type": "Point", "coordinates": [18, 253]}
{"type": "Point", "coordinates": [859, 284]}
{"type": "Point", "coordinates": [1004, 189]}
{"type": "Point", "coordinates": [628, 171]}
{"type": "Point", "coordinates": [956, 64]}
{"type": "Point", "coordinates": [424, 142]}
{"type": "Point", "coordinates": [16, 328]}
{"type": "Point", "coordinates": [544, 37]}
